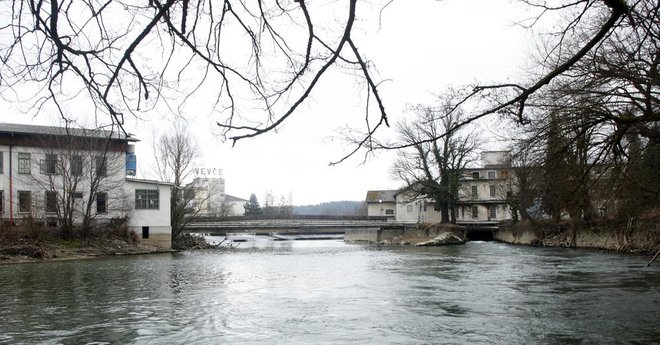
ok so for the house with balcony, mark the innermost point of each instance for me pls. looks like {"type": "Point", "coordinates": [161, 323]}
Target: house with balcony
{"type": "Point", "coordinates": [73, 176]}
{"type": "Point", "coordinates": [484, 190]}
{"type": "Point", "coordinates": [482, 196]}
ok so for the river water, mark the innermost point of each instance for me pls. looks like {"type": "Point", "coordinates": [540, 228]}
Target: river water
{"type": "Point", "coordinates": [328, 292]}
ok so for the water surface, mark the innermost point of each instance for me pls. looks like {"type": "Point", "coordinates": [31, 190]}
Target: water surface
{"type": "Point", "coordinates": [328, 292]}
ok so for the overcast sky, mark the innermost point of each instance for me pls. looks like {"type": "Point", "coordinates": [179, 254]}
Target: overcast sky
{"type": "Point", "coordinates": [421, 48]}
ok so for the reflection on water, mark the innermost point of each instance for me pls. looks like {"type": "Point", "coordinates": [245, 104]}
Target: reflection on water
{"type": "Point", "coordinates": [302, 292]}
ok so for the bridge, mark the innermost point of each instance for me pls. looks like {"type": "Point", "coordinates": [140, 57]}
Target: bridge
{"type": "Point", "coordinates": [351, 228]}
{"type": "Point", "coordinates": [263, 225]}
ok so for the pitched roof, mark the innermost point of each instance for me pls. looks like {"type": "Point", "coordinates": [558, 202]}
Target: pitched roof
{"type": "Point", "coordinates": [17, 128]}
{"type": "Point", "coordinates": [233, 198]}
{"type": "Point", "coordinates": [381, 195]}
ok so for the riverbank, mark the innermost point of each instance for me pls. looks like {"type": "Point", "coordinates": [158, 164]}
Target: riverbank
{"type": "Point", "coordinates": [19, 245]}
{"type": "Point", "coordinates": [633, 236]}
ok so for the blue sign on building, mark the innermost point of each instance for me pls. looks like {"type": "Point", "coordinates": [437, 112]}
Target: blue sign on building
{"type": "Point", "coordinates": [131, 164]}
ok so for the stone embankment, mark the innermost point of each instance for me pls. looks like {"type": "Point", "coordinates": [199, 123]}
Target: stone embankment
{"type": "Point", "coordinates": [410, 234]}
{"type": "Point", "coordinates": [641, 236]}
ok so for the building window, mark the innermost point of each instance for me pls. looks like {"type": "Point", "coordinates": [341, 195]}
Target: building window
{"type": "Point", "coordinates": [2, 160]}
{"type": "Point", "coordinates": [389, 212]}
{"type": "Point", "coordinates": [475, 175]}
{"type": "Point", "coordinates": [24, 163]}
{"type": "Point", "coordinates": [77, 195]}
{"type": "Point", "coordinates": [145, 232]}
{"type": "Point", "coordinates": [491, 175]}
{"type": "Point", "coordinates": [101, 166]}
{"type": "Point", "coordinates": [493, 212]}
{"type": "Point", "coordinates": [475, 192]}
{"type": "Point", "coordinates": [101, 202]}
{"type": "Point", "coordinates": [76, 165]}
{"type": "Point", "coordinates": [409, 208]}
{"type": "Point", "coordinates": [24, 201]}
{"type": "Point", "coordinates": [492, 191]}
{"type": "Point", "coordinates": [475, 212]}
{"type": "Point", "coordinates": [147, 199]}
{"type": "Point", "coordinates": [2, 201]}
{"type": "Point", "coordinates": [51, 202]}
{"type": "Point", "coordinates": [49, 165]}
{"type": "Point", "coordinates": [463, 211]}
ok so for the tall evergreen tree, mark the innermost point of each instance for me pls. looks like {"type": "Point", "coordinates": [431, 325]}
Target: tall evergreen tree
{"type": "Point", "coordinates": [252, 207]}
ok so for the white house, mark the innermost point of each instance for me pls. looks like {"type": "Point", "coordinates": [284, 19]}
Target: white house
{"type": "Point", "coordinates": [235, 205]}
{"type": "Point", "coordinates": [381, 203]}
{"type": "Point", "coordinates": [150, 218]}
{"type": "Point", "coordinates": [62, 175]}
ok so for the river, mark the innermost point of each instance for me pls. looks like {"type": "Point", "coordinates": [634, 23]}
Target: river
{"type": "Point", "coordinates": [328, 292]}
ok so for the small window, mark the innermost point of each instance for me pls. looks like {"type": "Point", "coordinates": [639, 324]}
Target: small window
{"type": "Point", "coordinates": [493, 212]}
{"type": "Point", "coordinates": [389, 212]}
{"type": "Point", "coordinates": [51, 202]}
{"type": "Point", "coordinates": [475, 212]}
{"type": "Point", "coordinates": [147, 199]}
{"type": "Point", "coordinates": [76, 165]}
{"type": "Point", "coordinates": [24, 163]}
{"type": "Point", "coordinates": [77, 195]}
{"type": "Point", "coordinates": [101, 166]}
{"type": "Point", "coordinates": [491, 175]}
{"type": "Point", "coordinates": [409, 208]}
{"type": "Point", "coordinates": [2, 161]}
{"type": "Point", "coordinates": [475, 175]}
{"type": "Point", "coordinates": [101, 202]}
{"type": "Point", "coordinates": [492, 191]}
{"type": "Point", "coordinates": [145, 232]}
{"type": "Point", "coordinates": [475, 192]}
{"type": "Point", "coordinates": [24, 201]}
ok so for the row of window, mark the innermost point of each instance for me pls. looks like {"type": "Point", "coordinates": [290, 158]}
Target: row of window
{"type": "Point", "coordinates": [50, 165]}
{"type": "Point", "coordinates": [492, 211]}
{"type": "Point", "coordinates": [146, 199]}
{"type": "Point", "coordinates": [491, 174]}
{"type": "Point", "coordinates": [492, 190]}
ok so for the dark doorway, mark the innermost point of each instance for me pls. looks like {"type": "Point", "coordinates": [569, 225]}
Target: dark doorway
{"type": "Point", "coordinates": [145, 232]}
{"type": "Point", "coordinates": [479, 235]}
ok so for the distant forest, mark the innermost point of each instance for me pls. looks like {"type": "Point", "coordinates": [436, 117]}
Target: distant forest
{"type": "Point", "coordinates": [333, 208]}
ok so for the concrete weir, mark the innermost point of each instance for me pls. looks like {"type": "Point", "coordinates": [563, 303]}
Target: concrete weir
{"type": "Point", "coordinates": [402, 233]}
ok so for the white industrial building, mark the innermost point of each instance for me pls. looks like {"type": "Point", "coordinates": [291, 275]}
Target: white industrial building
{"type": "Point", "coordinates": [210, 198]}
{"type": "Point", "coordinates": [49, 172]}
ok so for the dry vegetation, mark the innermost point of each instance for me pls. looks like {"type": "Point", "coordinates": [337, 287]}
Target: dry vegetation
{"type": "Point", "coordinates": [33, 241]}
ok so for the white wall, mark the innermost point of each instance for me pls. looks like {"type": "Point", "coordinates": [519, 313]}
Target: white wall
{"type": "Point", "coordinates": [38, 183]}
{"type": "Point", "coordinates": [152, 218]}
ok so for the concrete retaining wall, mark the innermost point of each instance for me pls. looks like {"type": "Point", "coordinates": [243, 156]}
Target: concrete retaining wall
{"type": "Point", "coordinates": [408, 234]}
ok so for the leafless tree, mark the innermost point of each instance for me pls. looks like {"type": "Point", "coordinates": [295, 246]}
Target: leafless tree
{"type": "Point", "coordinates": [128, 56]}
{"type": "Point", "coordinates": [433, 164]}
{"type": "Point", "coordinates": [590, 119]}
{"type": "Point", "coordinates": [175, 154]}
{"type": "Point", "coordinates": [107, 50]}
